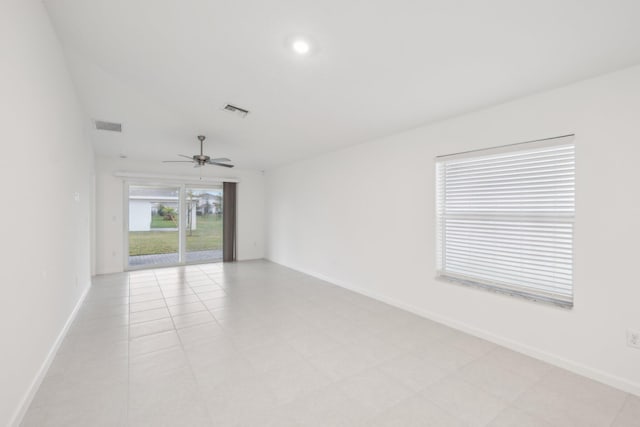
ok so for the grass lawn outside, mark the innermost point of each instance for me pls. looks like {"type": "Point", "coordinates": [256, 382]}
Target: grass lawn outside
{"type": "Point", "coordinates": [207, 236]}
{"type": "Point", "coordinates": [159, 222]}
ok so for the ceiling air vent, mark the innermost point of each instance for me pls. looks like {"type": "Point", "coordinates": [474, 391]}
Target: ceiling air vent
{"type": "Point", "coordinates": [236, 110]}
{"type": "Point", "coordinates": [112, 127]}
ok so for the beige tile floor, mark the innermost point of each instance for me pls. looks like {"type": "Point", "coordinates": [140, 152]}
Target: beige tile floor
{"type": "Point", "coordinates": [256, 344]}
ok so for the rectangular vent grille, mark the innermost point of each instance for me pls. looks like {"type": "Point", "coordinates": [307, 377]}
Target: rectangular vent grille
{"type": "Point", "coordinates": [108, 126]}
{"type": "Point", "coordinates": [237, 110]}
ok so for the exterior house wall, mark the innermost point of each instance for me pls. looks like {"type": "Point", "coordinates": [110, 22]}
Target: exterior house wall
{"type": "Point", "coordinates": [139, 215]}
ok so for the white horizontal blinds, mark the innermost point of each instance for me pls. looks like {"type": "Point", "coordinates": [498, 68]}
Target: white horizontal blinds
{"type": "Point", "coordinates": [505, 220]}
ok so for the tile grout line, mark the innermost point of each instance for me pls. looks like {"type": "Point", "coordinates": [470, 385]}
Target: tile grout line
{"type": "Point", "coordinates": [191, 370]}
{"type": "Point", "coordinates": [624, 402]}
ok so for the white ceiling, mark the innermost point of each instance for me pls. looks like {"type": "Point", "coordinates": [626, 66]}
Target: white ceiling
{"type": "Point", "coordinates": [164, 68]}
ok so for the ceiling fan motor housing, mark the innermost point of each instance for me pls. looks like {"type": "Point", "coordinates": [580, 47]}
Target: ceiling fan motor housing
{"type": "Point", "coordinates": [201, 159]}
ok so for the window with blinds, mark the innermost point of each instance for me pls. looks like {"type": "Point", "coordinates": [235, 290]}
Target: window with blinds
{"type": "Point", "coordinates": [505, 219]}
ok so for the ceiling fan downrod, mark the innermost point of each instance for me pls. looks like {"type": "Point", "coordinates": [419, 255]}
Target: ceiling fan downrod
{"type": "Point", "coordinates": [201, 138]}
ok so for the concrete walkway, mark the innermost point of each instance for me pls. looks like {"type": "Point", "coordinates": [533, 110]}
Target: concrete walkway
{"type": "Point", "coordinates": [166, 259]}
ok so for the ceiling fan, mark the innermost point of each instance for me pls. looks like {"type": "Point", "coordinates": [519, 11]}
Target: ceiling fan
{"type": "Point", "coordinates": [202, 160]}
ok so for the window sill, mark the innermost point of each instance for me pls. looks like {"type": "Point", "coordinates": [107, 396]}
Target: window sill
{"type": "Point", "coordinates": [523, 295]}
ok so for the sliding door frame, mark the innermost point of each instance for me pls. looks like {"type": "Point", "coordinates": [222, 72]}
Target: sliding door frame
{"type": "Point", "coordinates": [182, 215]}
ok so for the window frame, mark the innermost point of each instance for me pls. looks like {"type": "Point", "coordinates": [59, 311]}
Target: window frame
{"type": "Point", "coordinates": [521, 291]}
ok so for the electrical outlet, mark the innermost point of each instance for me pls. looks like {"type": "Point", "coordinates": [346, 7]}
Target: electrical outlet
{"type": "Point", "coordinates": [633, 338]}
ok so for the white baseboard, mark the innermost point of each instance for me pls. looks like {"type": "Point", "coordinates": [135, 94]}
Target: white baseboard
{"type": "Point", "coordinates": [570, 365]}
{"type": "Point", "coordinates": [42, 372]}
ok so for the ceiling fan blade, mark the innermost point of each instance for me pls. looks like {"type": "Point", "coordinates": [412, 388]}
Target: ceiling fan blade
{"type": "Point", "coordinates": [177, 161]}
{"type": "Point", "coordinates": [224, 165]}
{"type": "Point", "coordinates": [221, 159]}
{"type": "Point", "coordinates": [186, 157]}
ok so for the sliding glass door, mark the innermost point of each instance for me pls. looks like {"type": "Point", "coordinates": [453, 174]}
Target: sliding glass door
{"type": "Point", "coordinates": [173, 224]}
{"type": "Point", "coordinates": [154, 225]}
{"type": "Point", "coordinates": [203, 224]}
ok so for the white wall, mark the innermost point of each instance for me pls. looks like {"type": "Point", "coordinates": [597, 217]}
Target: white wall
{"type": "Point", "coordinates": [110, 209]}
{"type": "Point", "coordinates": [324, 217]}
{"type": "Point", "coordinates": [45, 250]}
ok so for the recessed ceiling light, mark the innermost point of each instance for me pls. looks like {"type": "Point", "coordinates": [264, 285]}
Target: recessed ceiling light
{"type": "Point", "coordinates": [301, 47]}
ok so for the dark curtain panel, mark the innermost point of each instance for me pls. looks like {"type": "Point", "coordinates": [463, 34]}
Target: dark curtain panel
{"type": "Point", "coordinates": [229, 222]}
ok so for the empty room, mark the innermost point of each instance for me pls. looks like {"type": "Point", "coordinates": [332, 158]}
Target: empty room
{"type": "Point", "coordinates": [320, 213]}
